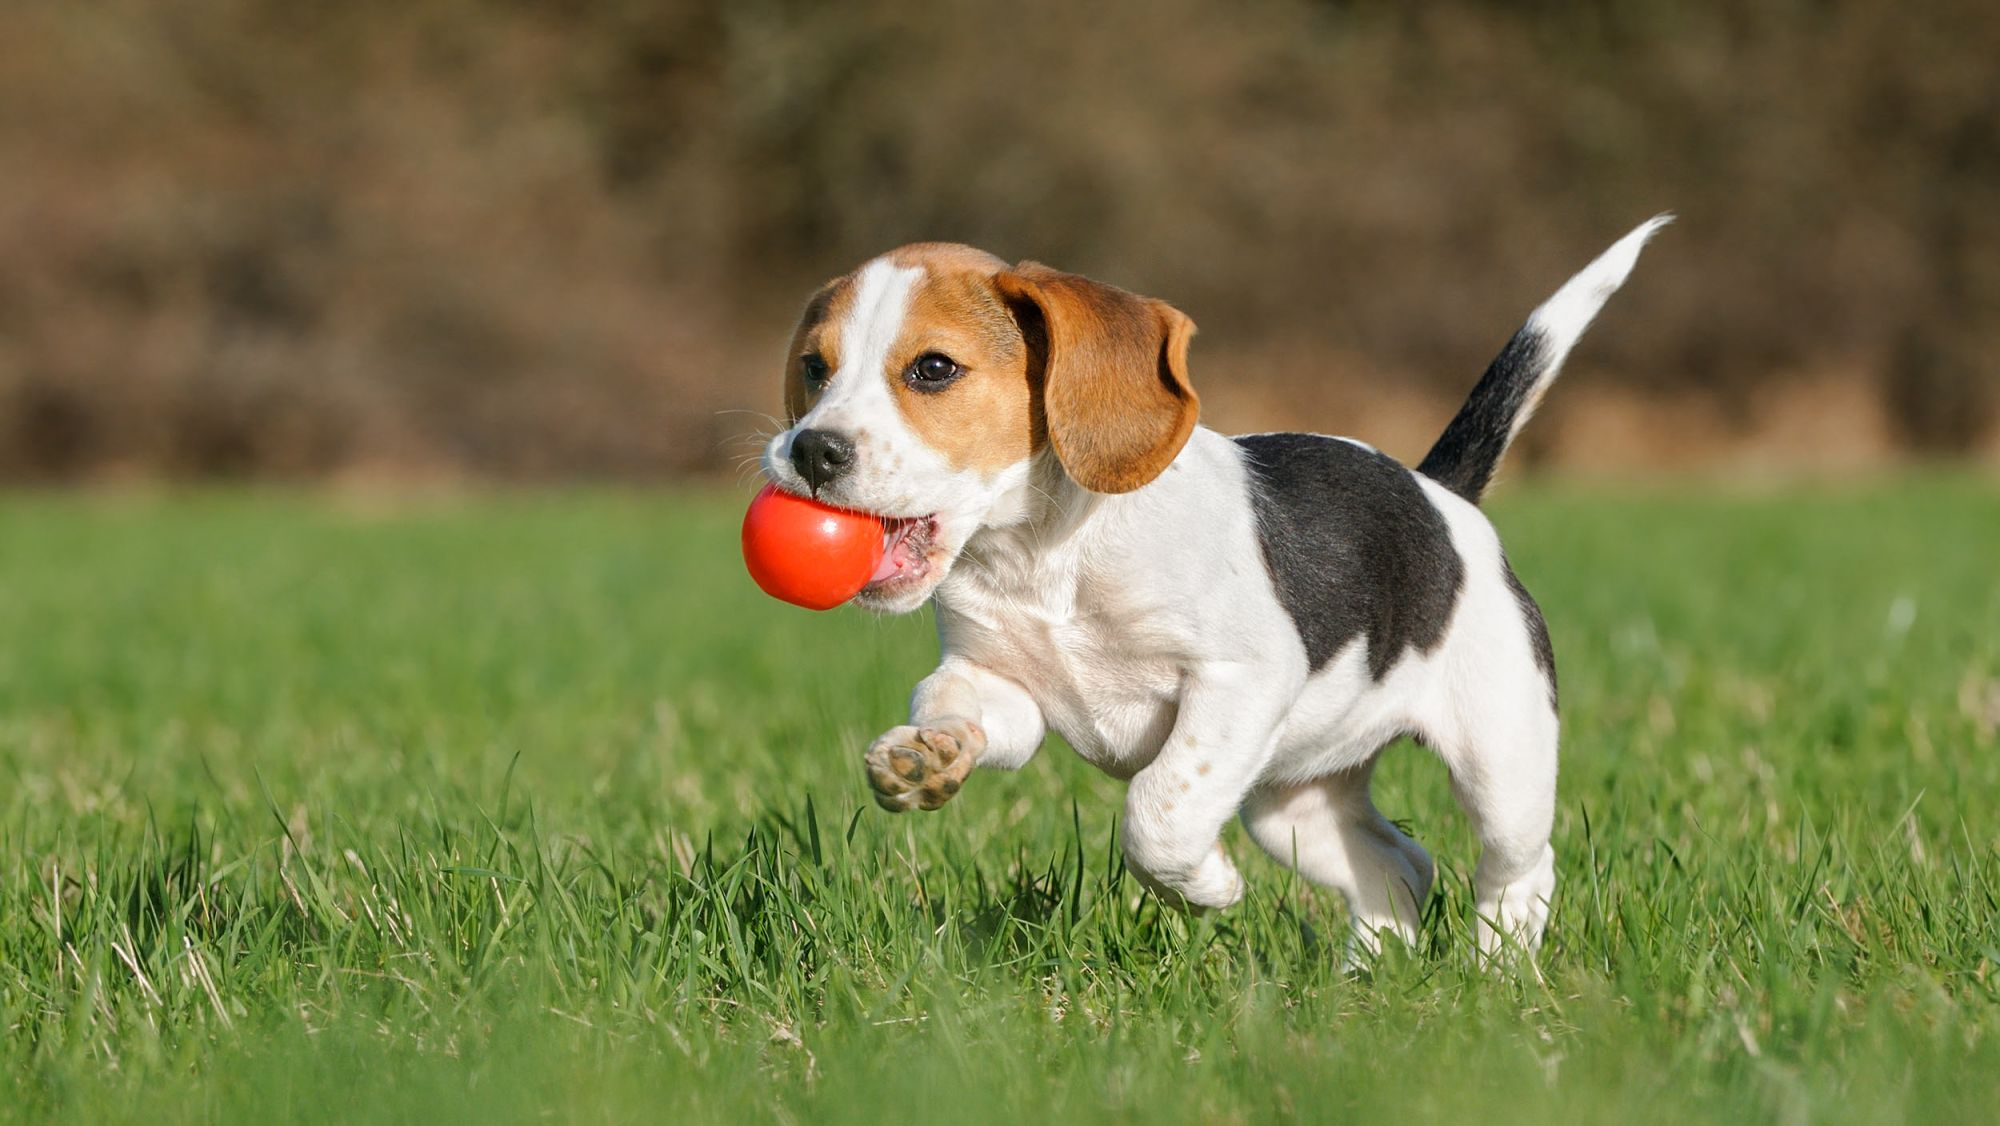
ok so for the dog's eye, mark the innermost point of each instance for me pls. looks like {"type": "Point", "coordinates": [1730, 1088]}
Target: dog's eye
{"type": "Point", "coordinates": [932, 371]}
{"type": "Point", "coordinates": [813, 366]}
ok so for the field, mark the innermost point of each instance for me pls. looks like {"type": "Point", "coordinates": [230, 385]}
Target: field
{"type": "Point", "coordinates": [529, 807]}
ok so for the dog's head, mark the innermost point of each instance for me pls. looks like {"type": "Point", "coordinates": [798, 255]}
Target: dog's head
{"type": "Point", "coordinates": [924, 386]}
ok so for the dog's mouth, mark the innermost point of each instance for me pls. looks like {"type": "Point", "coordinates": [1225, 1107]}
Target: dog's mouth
{"type": "Point", "coordinates": [906, 554]}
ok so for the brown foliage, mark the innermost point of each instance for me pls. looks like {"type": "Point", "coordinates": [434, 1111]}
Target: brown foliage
{"type": "Point", "coordinates": [526, 239]}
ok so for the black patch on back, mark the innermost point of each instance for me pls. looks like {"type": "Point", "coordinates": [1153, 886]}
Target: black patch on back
{"type": "Point", "coordinates": [1466, 454]}
{"type": "Point", "coordinates": [1538, 628]}
{"type": "Point", "coordinates": [1353, 545]}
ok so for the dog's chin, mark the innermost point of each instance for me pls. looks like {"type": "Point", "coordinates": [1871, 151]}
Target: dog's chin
{"type": "Point", "coordinates": [896, 597]}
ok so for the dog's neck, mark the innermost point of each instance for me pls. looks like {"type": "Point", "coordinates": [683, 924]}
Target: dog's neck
{"type": "Point", "coordinates": [1031, 541]}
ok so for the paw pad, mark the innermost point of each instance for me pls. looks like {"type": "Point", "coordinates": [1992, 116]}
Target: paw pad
{"type": "Point", "coordinates": [921, 767]}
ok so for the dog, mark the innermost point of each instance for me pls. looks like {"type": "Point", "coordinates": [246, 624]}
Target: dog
{"type": "Point", "coordinates": [1236, 626]}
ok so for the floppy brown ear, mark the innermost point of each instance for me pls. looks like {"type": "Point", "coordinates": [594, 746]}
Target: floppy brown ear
{"type": "Point", "coordinates": [1113, 367]}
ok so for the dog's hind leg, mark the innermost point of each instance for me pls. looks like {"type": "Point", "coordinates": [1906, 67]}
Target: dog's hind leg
{"type": "Point", "coordinates": [1505, 779]}
{"type": "Point", "coordinates": [1330, 832]}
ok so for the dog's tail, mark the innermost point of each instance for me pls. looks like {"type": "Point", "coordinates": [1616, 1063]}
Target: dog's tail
{"type": "Point", "coordinates": [1470, 448]}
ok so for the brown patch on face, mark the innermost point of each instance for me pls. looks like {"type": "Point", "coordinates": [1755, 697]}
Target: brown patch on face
{"type": "Point", "coordinates": [1099, 373]}
{"type": "Point", "coordinates": [818, 334]}
{"type": "Point", "coordinates": [1115, 388]}
{"type": "Point", "coordinates": [990, 417]}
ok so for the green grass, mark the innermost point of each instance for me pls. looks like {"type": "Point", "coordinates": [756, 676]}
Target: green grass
{"type": "Point", "coordinates": [532, 808]}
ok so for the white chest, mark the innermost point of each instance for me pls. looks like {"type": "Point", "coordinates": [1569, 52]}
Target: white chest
{"type": "Point", "coordinates": [1087, 663]}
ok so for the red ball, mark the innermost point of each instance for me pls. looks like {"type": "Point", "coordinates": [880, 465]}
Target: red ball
{"type": "Point", "coordinates": [807, 553]}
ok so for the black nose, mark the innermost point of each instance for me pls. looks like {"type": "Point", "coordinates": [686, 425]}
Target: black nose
{"type": "Point", "coordinates": [821, 456]}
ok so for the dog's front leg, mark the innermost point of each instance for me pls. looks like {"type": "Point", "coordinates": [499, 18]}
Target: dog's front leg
{"type": "Point", "coordinates": [960, 715]}
{"type": "Point", "coordinates": [1176, 807]}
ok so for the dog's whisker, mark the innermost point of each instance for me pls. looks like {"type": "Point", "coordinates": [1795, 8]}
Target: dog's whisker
{"type": "Point", "coordinates": [758, 438]}
{"type": "Point", "coordinates": [772, 420]}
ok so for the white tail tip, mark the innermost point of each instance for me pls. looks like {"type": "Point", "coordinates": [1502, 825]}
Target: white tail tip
{"type": "Point", "coordinates": [1564, 316]}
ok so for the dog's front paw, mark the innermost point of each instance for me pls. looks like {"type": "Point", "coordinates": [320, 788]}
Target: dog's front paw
{"type": "Point", "coordinates": [923, 767]}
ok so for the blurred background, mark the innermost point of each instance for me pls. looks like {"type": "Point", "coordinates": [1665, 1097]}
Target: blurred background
{"type": "Point", "coordinates": [523, 240]}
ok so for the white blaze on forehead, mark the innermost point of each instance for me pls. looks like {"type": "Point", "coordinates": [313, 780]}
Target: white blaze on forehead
{"type": "Point", "coordinates": [858, 393]}
{"type": "Point", "coordinates": [881, 300]}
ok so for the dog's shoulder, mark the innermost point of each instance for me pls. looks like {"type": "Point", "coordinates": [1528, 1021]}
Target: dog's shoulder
{"type": "Point", "coordinates": [1354, 546]}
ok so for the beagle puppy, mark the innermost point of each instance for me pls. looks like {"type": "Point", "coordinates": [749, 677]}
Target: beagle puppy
{"type": "Point", "coordinates": [1236, 626]}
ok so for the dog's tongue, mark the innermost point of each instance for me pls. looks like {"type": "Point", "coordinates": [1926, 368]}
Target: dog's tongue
{"type": "Point", "coordinates": [896, 559]}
